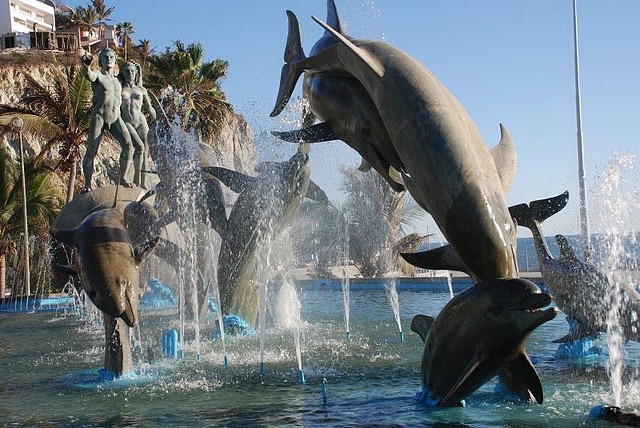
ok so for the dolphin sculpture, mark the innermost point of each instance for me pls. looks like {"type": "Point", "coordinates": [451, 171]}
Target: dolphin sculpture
{"type": "Point", "coordinates": [502, 313]}
{"type": "Point", "coordinates": [266, 204]}
{"type": "Point", "coordinates": [581, 290]}
{"type": "Point", "coordinates": [446, 165]}
{"type": "Point", "coordinates": [107, 264]}
{"type": "Point", "coordinates": [344, 106]}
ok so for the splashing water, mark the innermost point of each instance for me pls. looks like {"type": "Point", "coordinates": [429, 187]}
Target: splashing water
{"type": "Point", "coordinates": [345, 280]}
{"type": "Point", "coordinates": [288, 317]}
{"type": "Point", "coordinates": [617, 205]}
{"type": "Point", "coordinates": [392, 294]}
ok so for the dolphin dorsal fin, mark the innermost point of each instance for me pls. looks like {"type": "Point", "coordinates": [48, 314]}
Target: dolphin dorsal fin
{"type": "Point", "coordinates": [421, 324]}
{"type": "Point", "coordinates": [362, 54]}
{"type": "Point", "coordinates": [566, 251]}
{"type": "Point", "coordinates": [332, 16]}
{"type": "Point", "coordinates": [505, 159]}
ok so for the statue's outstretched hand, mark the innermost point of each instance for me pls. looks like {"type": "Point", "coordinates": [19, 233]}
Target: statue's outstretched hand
{"type": "Point", "coordinates": [86, 59]}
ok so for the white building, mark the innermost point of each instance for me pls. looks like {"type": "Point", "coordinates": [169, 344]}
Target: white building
{"type": "Point", "coordinates": [18, 18]}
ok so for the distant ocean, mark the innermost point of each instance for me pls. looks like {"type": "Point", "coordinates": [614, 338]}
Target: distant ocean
{"type": "Point", "coordinates": [629, 257]}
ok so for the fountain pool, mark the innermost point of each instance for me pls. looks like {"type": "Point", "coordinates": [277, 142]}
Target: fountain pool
{"type": "Point", "coordinates": [371, 378]}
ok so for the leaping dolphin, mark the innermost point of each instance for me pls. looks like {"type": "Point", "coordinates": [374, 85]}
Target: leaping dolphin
{"type": "Point", "coordinates": [344, 106]}
{"type": "Point", "coordinates": [107, 262]}
{"type": "Point", "coordinates": [502, 313]}
{"type": "Point", "coordinates": [266, 204]}
{"type": "Point", "coordinates": [581, 290]}
{"type": "Point", "coordinates": [447, 167]}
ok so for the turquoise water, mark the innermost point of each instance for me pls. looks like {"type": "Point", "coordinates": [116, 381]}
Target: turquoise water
{"type": "Point", "coordinates": [49, 362]}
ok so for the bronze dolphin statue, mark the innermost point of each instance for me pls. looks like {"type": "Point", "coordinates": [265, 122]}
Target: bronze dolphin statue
{"type": "Point", "coordinates": [446, 165]}
{"type": "Point", "coordinates": [266, 204]}
{"type": "Point", "coordinates": [344, 106]}
{"type": "Point", "coordinates": [501, 312]}
{"type": "Point", "coordinates": [107, 262]}
{"type": "Point", "coordinates": [581, 290]}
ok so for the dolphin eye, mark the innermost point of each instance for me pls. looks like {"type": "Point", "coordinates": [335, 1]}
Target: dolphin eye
{"type": "Point", "coordinates": [365, 131]}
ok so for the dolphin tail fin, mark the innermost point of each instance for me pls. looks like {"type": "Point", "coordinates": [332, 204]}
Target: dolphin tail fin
{"type": "Point", "coordinates": [505, 159]}
{"type": "Point", "coordinates": [360, 53]}
{"type": "Point", "coordinates": [443, 257]}
{"type": "Point", "coordinates": [542, 209]}
{"type": "Point", "coordinates": [293, 53]}
{"type": "Point", "coordinates": [421, 324]}
{"type": "Point", "coordinates": [538, 211]}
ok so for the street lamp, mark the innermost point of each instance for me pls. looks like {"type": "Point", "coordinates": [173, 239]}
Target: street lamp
{"type": "Point", "coordinates": [17, 125]}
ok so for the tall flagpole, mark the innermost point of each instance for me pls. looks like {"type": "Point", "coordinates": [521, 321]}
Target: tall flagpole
{"type": "Point", "coordinates": [584, 220]}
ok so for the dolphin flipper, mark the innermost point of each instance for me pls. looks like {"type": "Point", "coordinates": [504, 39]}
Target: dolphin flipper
{"type": "Point", "coordinates": [316, 193]}
{"type": "Point", "coordinates": [234, 180]}
{"type": "Point", "coordinates": [443, 257]}
{"type": "Point", "coordinates": [505, 159]}
{"type": "Point", "coordinates": [312, 134]}
{"type": "Point", "coordinates": [578, 330]}
{"type": "Point", "coordinates": [290, 73]}
{"type": "Point", "coordinates": [471, 367]}
{"type": "Point", "coordinates": [421, 324]}
{"type": "Point", "coordinates": [525, 373]}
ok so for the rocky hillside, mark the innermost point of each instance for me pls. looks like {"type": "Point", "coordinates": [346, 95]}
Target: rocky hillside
{"type": "Point", "coordinates": [235, 147]}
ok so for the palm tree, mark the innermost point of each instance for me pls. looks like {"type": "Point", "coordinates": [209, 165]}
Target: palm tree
{"type": "Point", "coordinates": [197, 98]}
{"type": "Point", "coordinates": [145, 52]}
{"type": "Point", "coordinates": [102, 13]}
{"type": "Point", "coordinates": [86, 18]}
{"type": "Point", "coordinates": [379, 220]}
{"type": "Point", "coordinates": [58, 112]}
{"type": "Point", "coordinates": [43, 204]}
{"type": "Point", "coordinates": [124, 30]}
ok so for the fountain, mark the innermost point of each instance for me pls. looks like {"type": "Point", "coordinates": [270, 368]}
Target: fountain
{"type": "Point", "coordinates": [373, 379]}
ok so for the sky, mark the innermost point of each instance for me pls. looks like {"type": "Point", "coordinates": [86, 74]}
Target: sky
{"type": "Point", "coordinates": [509, 62]}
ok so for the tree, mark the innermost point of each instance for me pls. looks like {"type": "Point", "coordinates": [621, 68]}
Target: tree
{"type": "Point", "coordinates": [102, 14]}
{"type": "Point", "coordinates": [43, 204]}
{"type": "Point", "coordinates": [144, 51]}
{"type": "Point", "coordinates": [58, 113]}
{"type": "Point", "coordinates": [193, 87]}
{"type": "Point", "coordinates": [86, 18]}
{"type": "Point", "coordinates": [378, 222]}
{"type": "Point", "coordinates": [124, 30]}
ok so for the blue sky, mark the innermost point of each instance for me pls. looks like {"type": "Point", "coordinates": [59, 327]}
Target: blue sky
{"type": "Point", "coordinates": [506, 61]}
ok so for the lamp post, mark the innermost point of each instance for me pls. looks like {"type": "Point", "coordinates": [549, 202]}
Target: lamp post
{"type": "Point", "coordinates": [17, 125]}
{"type": "Point", "coordinates": [584, 219]}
